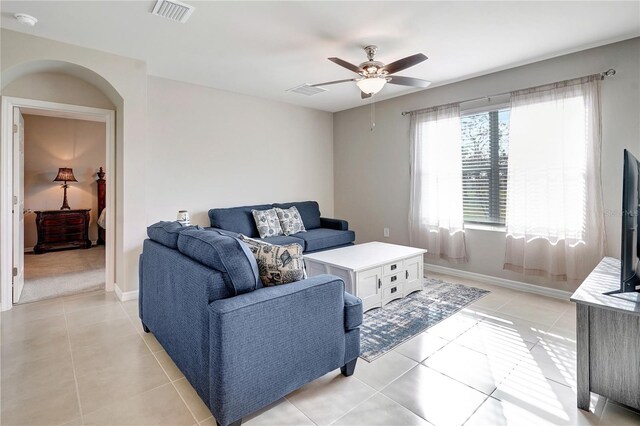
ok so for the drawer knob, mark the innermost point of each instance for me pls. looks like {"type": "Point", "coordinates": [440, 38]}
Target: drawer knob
{"type": "Point", "coordinates": [393, 267]}
{"type": "Point", "coordinates": [393, 278]}
{"type": "Point", "coordinates": [394, 289]}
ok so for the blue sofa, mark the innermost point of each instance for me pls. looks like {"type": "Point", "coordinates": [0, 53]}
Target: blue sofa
{"type": "Point", "coordinates": [241, 345]}
{"type": "Point", "coordinates": [322, 233]}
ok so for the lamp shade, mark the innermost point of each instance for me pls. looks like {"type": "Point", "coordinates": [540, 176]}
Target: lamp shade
{"type": "Point", "coordinates": [65, 175]}
{"type": "Point", "coordinates": [371, 85]}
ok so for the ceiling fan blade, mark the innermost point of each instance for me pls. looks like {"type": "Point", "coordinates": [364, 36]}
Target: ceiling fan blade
{"type": "Point", "coordinates": [404, 63]}
{"type": "Point", "coordinates": [332, 82]}
{"type": "Point", "coordinates": [365, 95]}
{"type": "Point", "coordinates": [346, 65]}
{"type": "Point", "coordinates": [408, 81]}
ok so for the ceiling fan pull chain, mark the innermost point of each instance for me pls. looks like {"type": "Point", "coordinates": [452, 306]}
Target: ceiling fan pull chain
{"type": "Point", "coordinates": [373, 114]}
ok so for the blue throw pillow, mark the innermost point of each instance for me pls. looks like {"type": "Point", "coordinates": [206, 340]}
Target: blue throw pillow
{"type": "Point", "coordinates": [223, 253]}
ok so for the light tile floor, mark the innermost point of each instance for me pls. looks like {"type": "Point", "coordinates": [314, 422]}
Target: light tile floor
{"type": "Point", "coordinates": [509, 358]}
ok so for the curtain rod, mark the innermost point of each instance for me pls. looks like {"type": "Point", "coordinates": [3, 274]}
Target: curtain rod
{"type": "Point", "coordinates": [608, 73]}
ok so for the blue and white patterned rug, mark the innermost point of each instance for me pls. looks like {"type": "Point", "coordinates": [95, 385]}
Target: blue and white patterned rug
{"type": "Point", "coordinates": [385, 328]}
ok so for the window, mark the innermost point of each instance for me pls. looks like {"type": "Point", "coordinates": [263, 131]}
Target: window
{"type": "Point", "coordinates": [485, 148]}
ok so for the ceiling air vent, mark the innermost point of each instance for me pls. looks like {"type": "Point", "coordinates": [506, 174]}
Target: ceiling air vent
{"type": "Point", "coordinates": [307, 89]}
{"type": "Point", "coordinates": [172, 10]}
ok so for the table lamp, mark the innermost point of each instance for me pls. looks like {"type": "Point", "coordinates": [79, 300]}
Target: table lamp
{"type": "Point", "coordinates": [65, 175]}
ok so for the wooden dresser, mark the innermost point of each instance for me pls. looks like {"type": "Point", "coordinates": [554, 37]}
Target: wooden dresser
{"type": "Point", "coordinates": [59, 229]}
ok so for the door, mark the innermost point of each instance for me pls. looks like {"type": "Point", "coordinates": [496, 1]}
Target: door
{"type": "Point", "coordinates": [414, 273]}
{"type": "Point", "coordinates": [18, 204]}
{"type": "Point", "coordinates": [369, 288]}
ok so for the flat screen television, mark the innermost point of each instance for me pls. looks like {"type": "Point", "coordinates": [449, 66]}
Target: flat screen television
{"type": "Point", "coordinates": [630, 265]}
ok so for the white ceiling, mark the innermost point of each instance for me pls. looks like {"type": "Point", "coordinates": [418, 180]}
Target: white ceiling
{"type": "Point", "coordinates": [264, 48]}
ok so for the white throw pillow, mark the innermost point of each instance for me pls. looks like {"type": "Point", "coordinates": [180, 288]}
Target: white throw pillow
{"type": "Point", "coordinates": [277, 264]}
{"type": "Point", "coordinates": [290, 220]}
{"type": "Point", "coordinates": [267, 223]}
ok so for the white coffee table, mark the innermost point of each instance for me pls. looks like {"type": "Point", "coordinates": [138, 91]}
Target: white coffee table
{"type": "Point", "coordinates": [375, 272]}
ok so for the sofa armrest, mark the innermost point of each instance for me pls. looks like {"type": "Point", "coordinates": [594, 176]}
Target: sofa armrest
{"type": "Point", "coordinates": [269, 342]}
{"type": "Point", "coordinates": [337, 224]}
{"type": "Point", "coordinates": [352, 311]}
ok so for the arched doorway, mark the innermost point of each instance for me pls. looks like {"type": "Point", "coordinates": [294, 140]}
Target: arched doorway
{"type": "Point", "coordinates": [49, 100]}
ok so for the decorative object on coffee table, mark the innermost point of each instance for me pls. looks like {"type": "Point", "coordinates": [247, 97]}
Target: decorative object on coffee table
{"type": "Point", "coordinates": [62, 229]}
{"type": "Point", "coordinates": [384, 329]}
{"type": "Point", "coordinates": [375, 272]}
{"type": "Point", "coordinates": [65, 175]}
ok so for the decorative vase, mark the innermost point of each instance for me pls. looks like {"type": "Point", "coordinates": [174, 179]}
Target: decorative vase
{"type": "Point", "coordinates": [183, 217]}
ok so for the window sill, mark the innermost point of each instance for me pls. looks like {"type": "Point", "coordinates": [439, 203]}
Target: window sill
{"type": "Point", "coordinates": [481, 227]}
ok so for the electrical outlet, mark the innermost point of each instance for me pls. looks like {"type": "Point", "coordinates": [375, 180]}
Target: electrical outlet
{"type": "Point", "coordinates": [386, 232]}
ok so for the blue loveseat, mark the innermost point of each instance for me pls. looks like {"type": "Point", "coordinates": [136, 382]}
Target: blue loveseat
{"type": "Point", "coordinates": [322, 233]}
{"type": "Point", "coordinates": [241, 345]}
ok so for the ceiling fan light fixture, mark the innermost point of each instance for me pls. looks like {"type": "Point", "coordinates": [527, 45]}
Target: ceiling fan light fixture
{"type": "Point", "coordinates": [371, 85]}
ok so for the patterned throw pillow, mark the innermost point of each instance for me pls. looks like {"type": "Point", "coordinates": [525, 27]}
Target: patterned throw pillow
{"type": "Point", "coordinates": [290, 220]}
{"type": "Point", "coordinates": [277, 264]}
{"type": "Point", "coordinates": [267, 222]}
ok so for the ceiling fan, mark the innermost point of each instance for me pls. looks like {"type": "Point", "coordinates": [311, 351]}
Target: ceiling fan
{"type": "Point", "coordinates": [374, 75]}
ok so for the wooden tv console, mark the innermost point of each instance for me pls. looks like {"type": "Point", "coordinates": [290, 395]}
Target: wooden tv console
{"type": "Point", "coordinates": [608, 338]}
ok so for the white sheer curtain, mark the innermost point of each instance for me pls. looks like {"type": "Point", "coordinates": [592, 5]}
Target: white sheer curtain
{"type": "Point", "coordinates": [435, 214]}
{"type": "Point", "coordinates": [555, 215]}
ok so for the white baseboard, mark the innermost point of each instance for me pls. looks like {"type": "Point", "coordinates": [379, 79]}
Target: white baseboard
{"type": "Point", "coordinates": [123, 296]}
{"type": "Point", "coordinates": [500, 282]}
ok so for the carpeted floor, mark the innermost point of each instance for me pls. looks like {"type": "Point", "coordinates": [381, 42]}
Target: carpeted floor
{"type": "Point", "coordinates": [62, 273]}
{"type": "Point", "coordinates": [385, 328]}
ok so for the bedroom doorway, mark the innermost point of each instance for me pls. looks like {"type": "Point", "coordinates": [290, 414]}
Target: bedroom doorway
{"type": "Point", "coordinates": [61, 156]}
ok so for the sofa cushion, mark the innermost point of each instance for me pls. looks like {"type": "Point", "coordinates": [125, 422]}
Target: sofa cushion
{"type": "Point", "coordinates": [322, 238]}
{"type": "Point", "coordinates": [237, 219]}
{"type": "Point", "coordinates": [283, 240]}
{"type": "Point", "coordinates": [309, 212]}
{"type": "Point", "coordinates": [166, 233]}
{"type": "Point", "coordinates": [277, 264]}
{"type": "Point", "coordinates": [225, 254]}
{"type": "Point", "coordinates": [290, 220]}
{"type": "Point", "coordinates": [352, 311]}
{"type": "Point", "coordinates": [267, 223]}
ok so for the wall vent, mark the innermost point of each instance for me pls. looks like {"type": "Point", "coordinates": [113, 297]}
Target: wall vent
{"type": "Point", "coordinates": [173, 10]}
{"type": "Point", "coordinates": [306, 89]}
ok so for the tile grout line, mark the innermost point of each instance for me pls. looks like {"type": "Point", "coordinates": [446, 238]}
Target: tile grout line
{"type": "Point", "coordinates": [162, 367]}
{"type": "Point", "coordinates": [73, 364]}
{"type": "Point", "coordinates": [299, 410]}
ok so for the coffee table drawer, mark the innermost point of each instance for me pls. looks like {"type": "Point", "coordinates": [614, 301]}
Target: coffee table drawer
{"type": "Point", "coordinates": [397, 278]}
{"type": "Point", "coordinates": [392, 268]}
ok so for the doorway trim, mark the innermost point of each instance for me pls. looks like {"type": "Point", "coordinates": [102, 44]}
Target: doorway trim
{"type": "Point", "coordinates": [53, 109]}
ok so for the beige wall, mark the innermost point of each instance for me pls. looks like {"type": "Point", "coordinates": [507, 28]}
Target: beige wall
{"type": "Point", "coordinates": [124, 82]}
{"type": "Point", "coordinates": [372, 168]}
{"type": "Point", "coordinates": [211, 148]}
{"type": "Point", "coordinates": [51, 143]}
{"type": "Point", "coordinates": [56, 87]}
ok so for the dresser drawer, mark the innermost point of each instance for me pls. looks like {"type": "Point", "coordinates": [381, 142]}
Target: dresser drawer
{"type": "Point", "coordinates": [393, 268]}
{"type": "Point", "coordinates": [53, 221]}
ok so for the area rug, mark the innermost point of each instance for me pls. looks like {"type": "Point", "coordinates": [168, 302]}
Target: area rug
{"type": "Point", "coordinates": [62, 273]}
{"type": "Point", "coordinates": [385, 328]}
